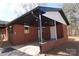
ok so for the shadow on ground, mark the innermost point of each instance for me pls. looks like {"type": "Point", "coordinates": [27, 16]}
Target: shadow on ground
{"type": "Point", "coordinates": [70, 48]}
{"type": "Point", "coordinates": [7, 50]}
{"type": "Point", "coordinates": [13, 52]}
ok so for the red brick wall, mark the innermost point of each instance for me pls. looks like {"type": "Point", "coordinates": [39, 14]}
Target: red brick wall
{"type": "Point", "coordinates": [19, 37]}
{"type": "Point", "coordinates": [46, 33]}
{"type": "Point", "coordinates": [65, 32]}
{"type": "Point", "coordinates": [64, 39]}
{"type": "Point", "coordinates": [59, 30]}
{"type": "Point", "coordinates": [4, 31]}
{"type": "Point", "coordinates": [32, 35]}
{"type": "Point", "coordinates": [55, 43]}
{"type": "Point", "coordinates": [47, 46]}
{"type": "Point", "coordinates": [18, 34]}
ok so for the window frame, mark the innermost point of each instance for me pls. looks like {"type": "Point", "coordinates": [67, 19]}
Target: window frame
{"type": "Point", "coordinates": [26, 29]}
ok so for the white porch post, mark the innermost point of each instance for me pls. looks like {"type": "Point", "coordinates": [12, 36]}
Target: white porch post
{"type": "Point", "coordinates": [40, 27]}
{"type": "Point", "coordinates": [55, 29]}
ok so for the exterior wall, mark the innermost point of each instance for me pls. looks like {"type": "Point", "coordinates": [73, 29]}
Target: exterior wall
{"type": "Point", "coordinates": [64, 39]}
{"type": "Point", "coordinates": [55, 43]}
{"type": "Point", "coordinates": [33, 35]}
{"type": "Point", "coordinates": [19, 37]}
{"type": "Point", "coordinates": [59, 30]}
{"type": "Point", "coordinates": [4, 34]}
{"type": "Point", "coordinates": [46, 33]}
{"type": "Point", "coordinates": [46, 46]}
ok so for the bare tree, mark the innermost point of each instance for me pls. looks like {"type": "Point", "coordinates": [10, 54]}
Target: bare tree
{"type": "Point", "coordinates": [24, 7]}
{"type": "Point", "coordinates": [72, 13]}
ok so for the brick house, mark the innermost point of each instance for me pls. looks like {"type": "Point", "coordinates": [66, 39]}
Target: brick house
{"type": "Point", "coordinates": [47, 26]}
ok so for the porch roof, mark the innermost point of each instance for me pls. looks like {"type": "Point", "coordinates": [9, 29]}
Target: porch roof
{"type": "Point", "coordinates": [31, 17]}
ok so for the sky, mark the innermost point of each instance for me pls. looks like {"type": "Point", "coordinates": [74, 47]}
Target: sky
{"type": "Point", "coordinates": [11, 9]}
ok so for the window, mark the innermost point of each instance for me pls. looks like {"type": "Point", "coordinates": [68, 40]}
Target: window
{"type": "Point", "coordinates": [26, 29]}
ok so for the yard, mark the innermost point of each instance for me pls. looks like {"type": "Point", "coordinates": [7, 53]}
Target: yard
{"type": "Point", "coordinates": [29, 49]}
{"type": "Point", "coordinates": [68, 49]}
{"type": "Point", "coordinates": [71, 48]}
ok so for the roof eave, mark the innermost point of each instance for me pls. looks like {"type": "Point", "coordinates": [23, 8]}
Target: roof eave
{"type": "Point", "coordinates": [64, 16]}
{"type": "Point", "coordinates": [38, 8]}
